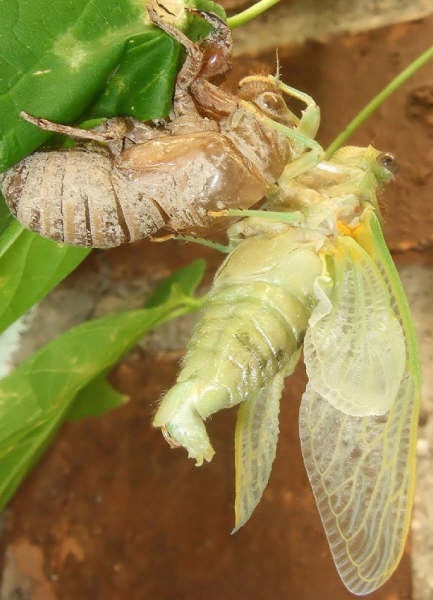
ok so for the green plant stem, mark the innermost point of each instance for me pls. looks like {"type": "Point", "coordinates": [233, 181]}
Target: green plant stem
{"type": "Point", "coordinates": [377, 101]}
{"type": "Point", "coordinates": [250, 13]}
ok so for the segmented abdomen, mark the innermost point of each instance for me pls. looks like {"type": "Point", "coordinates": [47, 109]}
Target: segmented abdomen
{"type": "Point", "coordinates": [243, 339]}
{"type": "Point", "coordinates": [73, 196]}
{"type": "Point", "coordinates": [253, 323]}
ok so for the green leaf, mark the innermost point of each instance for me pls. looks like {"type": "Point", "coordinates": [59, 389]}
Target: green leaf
{"type": "Point", "coordinates": [55, 58]}
{"type": "Point", "coordinates": [23, 455]}
{"type": "Point", "coordinates": [30, 266]}
{"type": "Point", "coordinates": [38, 395]}
{"type": "Point", "coordinates": [5, 216]}
{"type": "Point", "coordinates": [152, 58]}
{"type": "Point", "coordinates": [97, 398]}
{"type": "Point", "coordinates": [49, 379]}
{"type": "Point", "coordinates": [185, 281]}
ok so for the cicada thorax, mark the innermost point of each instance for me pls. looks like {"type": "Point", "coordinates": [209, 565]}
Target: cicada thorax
{"type": "Point", "coordinates": [187, 176]}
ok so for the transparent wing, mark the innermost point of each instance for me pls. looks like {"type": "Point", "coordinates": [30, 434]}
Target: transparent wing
{"type": "Point", "coordinates": [256, 440]}
{"type": "Point", "coordinates": [354, 349]}
{"type": "Point", "coordinates": [369, 236]}
{"type": "Point", "coordinates": [362, 468]}
{"type": "Point", "coordinates": [361, 472]}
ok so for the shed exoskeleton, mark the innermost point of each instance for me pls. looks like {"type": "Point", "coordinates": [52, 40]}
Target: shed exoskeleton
{"type": "Point", "coordinates": [133, 179]}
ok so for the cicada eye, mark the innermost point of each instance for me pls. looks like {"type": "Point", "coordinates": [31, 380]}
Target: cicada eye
{"type": "Point", "coordinates": [388, 161]}
{"type": "Point", "coordinates": [272, 104]}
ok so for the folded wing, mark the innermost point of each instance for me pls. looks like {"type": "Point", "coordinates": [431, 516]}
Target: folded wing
{"type": "Point", "coordinates": [355, 353]}
{"type": "Point", "coordinates": [256, 440]}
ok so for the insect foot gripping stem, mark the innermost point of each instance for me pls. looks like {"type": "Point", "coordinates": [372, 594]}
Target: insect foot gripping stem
{"type": "Point", "coordinates": [182, 424]}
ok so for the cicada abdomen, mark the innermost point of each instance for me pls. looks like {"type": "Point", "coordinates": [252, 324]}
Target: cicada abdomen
{"type": "Point", "coordinates": [74, 197]}
{"type": "Point", "coordinates": [251, 326]}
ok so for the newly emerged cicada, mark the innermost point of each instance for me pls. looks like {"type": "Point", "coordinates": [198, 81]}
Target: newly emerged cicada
{"type": "Point", "coordinates": [132, 179]}
{"type": "Point", "coordinates": [314, 273]}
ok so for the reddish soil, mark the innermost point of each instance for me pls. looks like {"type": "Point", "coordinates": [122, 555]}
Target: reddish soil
{"type": "Point", "coordinates": [111, 512]}
{"type": "Point", "coordinates": [116, 513]}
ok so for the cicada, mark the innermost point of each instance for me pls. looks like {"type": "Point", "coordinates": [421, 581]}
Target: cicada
{"type": "Point", "coordinates": [313, 271]}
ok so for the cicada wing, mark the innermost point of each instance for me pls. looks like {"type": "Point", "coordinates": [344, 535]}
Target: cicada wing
{"type": "Point", "coordinates": [362, 467]}
{"type": "Point", "coordinates": [354, 348]}
{"type": "Point", "coordinates": [256, 438]}
{"type": "Point", "coordinates": [361, 470]}
{"type": "Point", "coordinates": [369, 236]}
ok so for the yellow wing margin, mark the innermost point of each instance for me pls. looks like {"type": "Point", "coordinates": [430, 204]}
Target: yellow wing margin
{"type": "Point", "coordinates": [369, 235]}
{"type": "Point", "coordinates": [256, 438]}
{"type": "Point", "coordinates": [362, 468]}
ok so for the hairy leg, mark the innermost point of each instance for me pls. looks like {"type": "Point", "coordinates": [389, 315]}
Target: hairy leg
{"type": "Point", "coordinates": [212, 56]}
{"type": "Point", "coordinates": [183, 103]}
{"type": "Point", "coordinates": [115, 132]}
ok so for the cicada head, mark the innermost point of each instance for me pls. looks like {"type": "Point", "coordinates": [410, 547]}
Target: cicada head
{"type": "Point", "coordinates": [263, 91]}
{"type": "Point", "coordinates": [376, 168]}
{"type": "Point", "coordinates": [382, 165]}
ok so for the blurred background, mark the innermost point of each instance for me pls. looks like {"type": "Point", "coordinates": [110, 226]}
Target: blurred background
{"type": "Point", "coordinates": [110, 511]}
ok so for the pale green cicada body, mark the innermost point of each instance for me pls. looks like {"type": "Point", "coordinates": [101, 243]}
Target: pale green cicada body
{"type": "Point", "coordinates": [314, 273]}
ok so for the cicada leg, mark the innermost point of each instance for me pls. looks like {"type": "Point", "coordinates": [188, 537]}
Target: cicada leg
{"type": "Point", "coordinates": [290, 218]}
{"type": "Point", "coordinates": [160, 239]}
{"type": "Point", "coordinates": [302, 164]}
{"type": "Point", "coordinates": [306, 161]}
{"type": "Point", "coordinates": [257, 222]}
{"type": "Point", "coordinates": [182, 101]}
{"type": "Point", "coordinates": [301, 136]}
{"type": "Point", "coordinates": [116, 132]}
{"type": "Point", "coordinates": [204, 242]}
{"type": "Point", "coordinates": [195, 240]}
{"type": "Point", "coordinates": [217, 50]}
{"type": "Point", "coordinates": [310, 120]}
{"type": "Point", "coordinates": [209, 58]}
